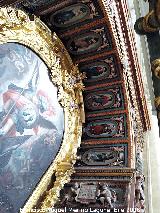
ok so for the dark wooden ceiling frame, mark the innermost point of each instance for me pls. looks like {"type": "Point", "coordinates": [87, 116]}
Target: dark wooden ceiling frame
{"type": "Point", "coordinates": [8, 2]}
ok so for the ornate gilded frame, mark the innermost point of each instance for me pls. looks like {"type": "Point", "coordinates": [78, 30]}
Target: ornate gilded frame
{"type": "Point", "coordinates": [17, 26]}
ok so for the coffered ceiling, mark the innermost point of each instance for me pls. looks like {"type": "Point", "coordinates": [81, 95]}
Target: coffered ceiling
{"type": "Point", "coordinates": [97, 37]}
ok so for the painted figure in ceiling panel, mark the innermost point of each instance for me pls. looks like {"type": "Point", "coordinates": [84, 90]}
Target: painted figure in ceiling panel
{"type": "Point", "coordinates": [32, 5]}
{"type": "Point", "coordinates": [70, 15]}
{"type": "Point", "coordinates": [97, 70]}
{"type": "Point", "coordinates": [101, 129]}
{"type": "Point", "coordinates": [103, 70]}
{"type": "Point", "coordinates": [99, 100]}
{"type": "Point", "coordinates": [84, 43]}
{"type": "Point", "coordinates": [106, 99]}
{"type": "Point", "coordinates": [108, 155]}
{"type": "Point", "coordinates": [110, 128]}
{"type": "Point", "coordinates": [74, 14]}
{"type": "Point", "coordinates": [96, 39]}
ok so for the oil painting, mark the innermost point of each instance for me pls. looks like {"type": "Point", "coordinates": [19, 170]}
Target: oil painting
{"type": "Point", "coordinates": [99, 100]}
{"type": "Point", "coordinates": [32, 123]}
{"type": "Point", "coordinates": [108, 99]}
{"type": "Point", "coordinates": [101, 129]}
{"type": "Point", "coordinates": [84, 43]}
{"type": "Point", "coordinates": [96, 71]}
{"type": "Point", "coordinates": [109, 128]}
{"type": "Point", "coordinates": [70, 15]}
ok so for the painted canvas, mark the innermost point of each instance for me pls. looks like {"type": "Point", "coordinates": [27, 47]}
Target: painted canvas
{"type": "Point", "coordinates": [31, 124]}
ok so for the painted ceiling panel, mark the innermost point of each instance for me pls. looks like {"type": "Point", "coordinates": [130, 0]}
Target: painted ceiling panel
{"type": "Point", "coordinates": [94, 40]}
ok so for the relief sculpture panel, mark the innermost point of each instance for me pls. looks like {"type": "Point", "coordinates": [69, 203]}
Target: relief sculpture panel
{"type": "Point", "coordinates": [79, 195]}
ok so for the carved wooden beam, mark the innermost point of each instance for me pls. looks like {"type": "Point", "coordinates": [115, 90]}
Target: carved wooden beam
{"type": "Point", "coordinates": [8, 2]}
{"type": "Point", "coordinates": [157, 10]}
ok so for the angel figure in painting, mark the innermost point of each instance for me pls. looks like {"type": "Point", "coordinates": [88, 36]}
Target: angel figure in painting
{"type": "Point", "coordinates": [26, 122]}
{"type": "Point", "coordinates": [25, 110]}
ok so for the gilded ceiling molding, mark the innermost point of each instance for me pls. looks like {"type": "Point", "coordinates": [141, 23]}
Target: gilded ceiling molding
{"type": "Point", "coordinates": [17, 27]}
{"type": "Point", "coordinates": [135, 66]}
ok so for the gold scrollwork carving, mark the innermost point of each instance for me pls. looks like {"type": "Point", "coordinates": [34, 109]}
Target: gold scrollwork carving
{"type": "Point", "coordinates": [16, 26]}
{"type": "Point", "coordinates": [145, 23]}
{"type": "Point", "coordinates": [156, 68]}
{"type": "Point", "coordinates": [157, 102]}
